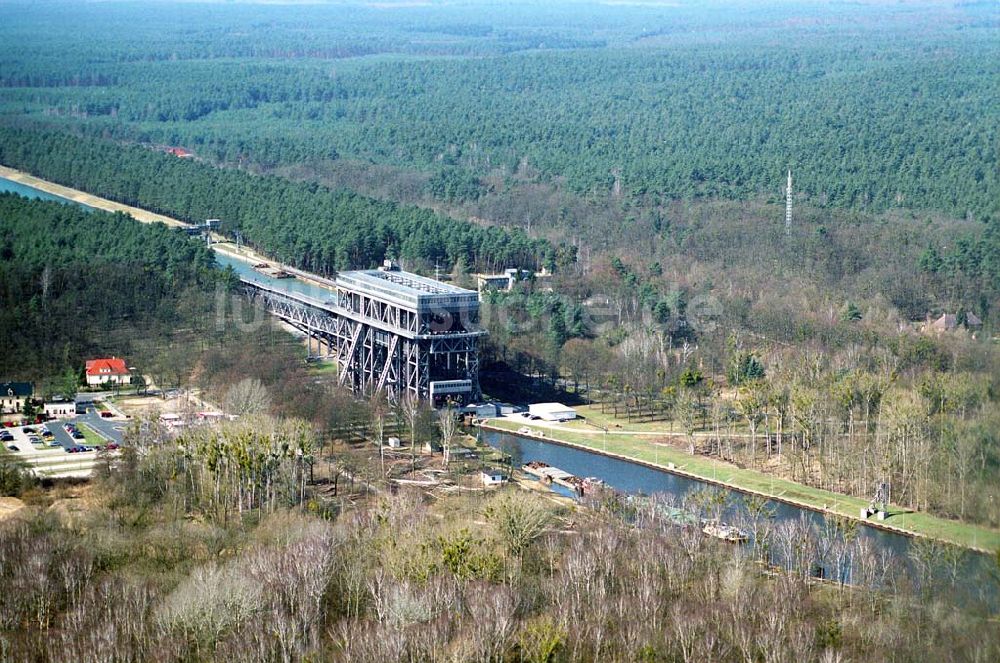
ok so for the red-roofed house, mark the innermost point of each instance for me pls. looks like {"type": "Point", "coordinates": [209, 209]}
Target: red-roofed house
{"type": "Point", "coordinates": [107, 371]}
{"type": "Point", "coordinates": [180, 152]}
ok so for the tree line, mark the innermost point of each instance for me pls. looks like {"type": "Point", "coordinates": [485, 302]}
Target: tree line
{"type": "Point", "coordinates": [167, 570]}
{"type": "Point", "coordinates": [304, 225]}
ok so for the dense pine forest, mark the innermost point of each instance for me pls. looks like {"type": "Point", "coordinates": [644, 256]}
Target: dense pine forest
{"type": "Point", "coordinates": [77, 284]}
{"type": "Point", "coordinates": [660, 106]}
{"type": "Point", "coordinates": [301, 224]}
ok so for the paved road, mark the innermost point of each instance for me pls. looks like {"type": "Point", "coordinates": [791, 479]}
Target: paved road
{"type": "Point", "coordinates": [111, 429]}
{"type": "Point", "coordinates": [62, 437]}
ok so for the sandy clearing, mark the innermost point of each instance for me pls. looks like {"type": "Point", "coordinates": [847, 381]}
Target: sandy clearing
{"type": "Point", "coordinates": [9, 506]}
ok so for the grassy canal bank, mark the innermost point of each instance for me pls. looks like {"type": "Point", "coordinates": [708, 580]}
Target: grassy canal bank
{"type": "Point", "coordinates": [645, 450]}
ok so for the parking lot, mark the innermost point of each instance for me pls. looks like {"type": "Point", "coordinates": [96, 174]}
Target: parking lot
{"type": "Point", "coordinates": [52, 458]}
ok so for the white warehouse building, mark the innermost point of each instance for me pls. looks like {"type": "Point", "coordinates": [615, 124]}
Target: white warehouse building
{"type": "Point", "coordinates": [552, 411]}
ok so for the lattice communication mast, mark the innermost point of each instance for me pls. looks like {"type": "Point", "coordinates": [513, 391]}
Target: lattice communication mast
{"type": "Point", "coordinates": [788, 205]}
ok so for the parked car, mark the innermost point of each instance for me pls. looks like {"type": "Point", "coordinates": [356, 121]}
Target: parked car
{"type": "Point", "coordinates": [48, 435]}
{"type": "Point", "coordinates": [13, 447]}
{"type": "Point", "coordinates": [34, 439]}
{"type": "Point", "coordinates": [112, 447]}
{"type": "Point", "coordinates": [28, 429]}
{"type": "Point", "coordinates": [5, 436]}
{"type": "Point", "coordinates": [55, 443]}
{"type": "Point", "coordinates": [77, 435]}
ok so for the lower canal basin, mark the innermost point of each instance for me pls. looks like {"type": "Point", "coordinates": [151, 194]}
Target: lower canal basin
{"type": "Point", "coordinates": [898, 558]}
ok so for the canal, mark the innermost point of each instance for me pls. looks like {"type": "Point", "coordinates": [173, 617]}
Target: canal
{"type": "Point", "coordinates": [243, 268]}
{"type": "Point", "coordinates": [246, 270]}
{"type": "Point", "coordinates": [10, 186]}
{"type": "Point", "coordinates": [974, 572]}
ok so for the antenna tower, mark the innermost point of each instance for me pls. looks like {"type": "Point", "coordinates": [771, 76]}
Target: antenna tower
{"type": "Point", "coordinates": [788, 205]}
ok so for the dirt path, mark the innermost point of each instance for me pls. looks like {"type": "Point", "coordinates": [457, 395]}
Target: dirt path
{"type": "Point", "coordinates": [9, 506]}
{"type": "Point", "coordinates": [613, 431]}
{"type": "Point", "coordinates": [223, 244]}
{"type": "Point", "coordinates": [86, 199]}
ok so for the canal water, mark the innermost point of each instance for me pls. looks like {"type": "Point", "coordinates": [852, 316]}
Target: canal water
{"type": "Point", "coordinates": [246, 270]}
{"type": "Point", "coordinates": [10, 186]}
{"type": "Point", "coordinates": [975, 581]}
{"type": "Point", "coordinates": [243, 268]}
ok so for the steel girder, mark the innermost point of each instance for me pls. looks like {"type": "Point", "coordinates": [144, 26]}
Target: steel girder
{"type": "Point", "coordinates": [370, 358]}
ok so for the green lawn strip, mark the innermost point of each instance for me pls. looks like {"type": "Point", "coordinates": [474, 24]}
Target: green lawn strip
{"type": "Point", "coordinates": [323, 368]}
{"type": "Point", "coordinates": [642, 449]}
{"type": "Point", "coordinates": [91, 438]}
{"type": "Point", "coordinates": [595, 419]}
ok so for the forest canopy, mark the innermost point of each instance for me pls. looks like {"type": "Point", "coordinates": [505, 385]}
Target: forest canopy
{"type": "Point", "coordinates": [648, 103]}
{"type": "Point", "coordinates": [301, 224]}
{"type": "Point", "coordinates": [76, 282]}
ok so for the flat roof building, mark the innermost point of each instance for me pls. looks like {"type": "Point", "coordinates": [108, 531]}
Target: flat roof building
{"type": "Point", "coordinates": [552, 411]}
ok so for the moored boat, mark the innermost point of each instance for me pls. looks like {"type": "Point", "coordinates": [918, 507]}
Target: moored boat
{"type": "Point", "coordinates": [724, 532]}
{"type": "Point", "coordinates": [274, 272]}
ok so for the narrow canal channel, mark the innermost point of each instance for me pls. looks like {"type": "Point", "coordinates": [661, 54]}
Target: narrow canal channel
{"type": "Point", "coordinates": [243, 268]}
{"type": "Point", "coordinates": [975, 577]}
{"type": "Point", "coordinates": [10, 186]}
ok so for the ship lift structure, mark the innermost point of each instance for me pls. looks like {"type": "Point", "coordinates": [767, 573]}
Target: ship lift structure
{"type": "Point", "coordinates": [390, 331]}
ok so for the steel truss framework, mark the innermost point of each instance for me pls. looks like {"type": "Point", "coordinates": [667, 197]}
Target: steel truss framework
{"type": "Point", "coordinates": [430, 353]}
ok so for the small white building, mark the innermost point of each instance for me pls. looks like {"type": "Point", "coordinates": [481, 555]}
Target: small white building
{"type": "Point", "coordinates": [492, 477]}
{"type": "Point", "coordinates": [551, 411]}
{"type": "Point", "coordinates": [503, 281]}
{"type": "Point", "coordinates": [394, 443]}
{"type": "Point", "coordinates": [57, 409]}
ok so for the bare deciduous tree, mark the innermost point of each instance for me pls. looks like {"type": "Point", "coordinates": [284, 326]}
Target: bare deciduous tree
{"type": "Point", "coordinates": [448, 426]}
{"type": "Point", "coordinates": [248, 396]}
